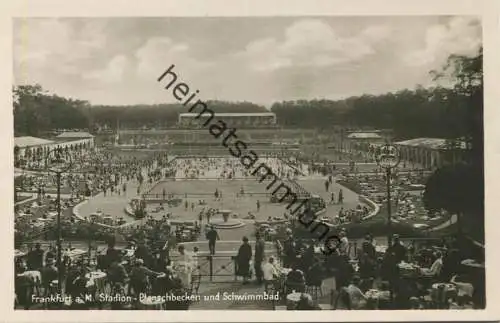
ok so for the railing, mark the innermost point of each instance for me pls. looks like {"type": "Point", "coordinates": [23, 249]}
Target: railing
{"type": "Point", "coordinates": [219, 268]}
{"type": "Point", "coordinates": [167, 197]}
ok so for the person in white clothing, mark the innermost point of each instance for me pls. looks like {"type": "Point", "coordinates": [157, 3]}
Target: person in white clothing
{"type": "Point", "coordinates": [463, 288]}
{"type": "Point", "coordinates": [344, 243]}
{"type": "Point", "coordinates": [436, 267]}
{"type": "Point", "coordinates": [195, 270]}
{"type": "Point", "coordinates": [270, 272]}
{"type": "Point", "coordinates": [356, 296]}
{"type": "Point", "coordinates": [184, 266]}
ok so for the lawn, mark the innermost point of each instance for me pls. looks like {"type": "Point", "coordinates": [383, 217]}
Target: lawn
{"type": "Point", "coordinates": [20, 198]}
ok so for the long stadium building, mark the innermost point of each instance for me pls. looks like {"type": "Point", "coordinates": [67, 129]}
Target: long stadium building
{"type": "Point", "coordinates": [261, 119]}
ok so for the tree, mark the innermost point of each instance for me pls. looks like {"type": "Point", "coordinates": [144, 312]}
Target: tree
{"type": "Point", "coordinates": [460, 188]}
{"type": "Point", "coordinates": [37, 112]}
{"type": "Point", "coordinates": [454, 188]}
{"type": "Point", "coordinates": [466, 75]}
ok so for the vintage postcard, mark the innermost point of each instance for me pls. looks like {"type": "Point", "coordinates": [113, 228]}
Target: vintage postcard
{"type": "Point", "coordinates": [214, 163]}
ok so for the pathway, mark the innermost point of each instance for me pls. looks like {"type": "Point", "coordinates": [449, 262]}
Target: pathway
{"type": "Point", "coordinates": [115, 204]}
{"type": "Point", "coordinates": [112, 204]}
{"type": "Point", "coordinates": [446, 224]}
{"type": "Point", "coordinates": [31, 197]}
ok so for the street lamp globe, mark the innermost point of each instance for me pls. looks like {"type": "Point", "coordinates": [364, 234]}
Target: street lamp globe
{"type": "Point", "coordinates": [387, 156]}
{"type": "Point", "coordinates": [58, 161]}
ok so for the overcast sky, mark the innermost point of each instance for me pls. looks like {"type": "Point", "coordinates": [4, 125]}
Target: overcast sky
{"type": "Point", "coordinates": [117, 60]}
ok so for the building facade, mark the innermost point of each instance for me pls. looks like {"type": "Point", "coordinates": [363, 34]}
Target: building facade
{"type": "Point", "coordinates": [241, 120]}
{"type": "Point", "coordinates": [362, 141]}
{"type": "Point", "coordinates": [31, 148]}
{"type": "Point", "coordinates": [431, 152]}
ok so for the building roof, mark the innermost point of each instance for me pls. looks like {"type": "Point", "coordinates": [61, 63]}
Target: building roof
{"type": "Point", "coordinates": [364, 135]}
{"type": "Point", "coordinates": [249, 114]}
{"type": "Point", "coordinates": [74, 134]}
{"type": "Point", "coordinates": [432, 143]}
{"type": "Point", "coordinates": [28, 141]}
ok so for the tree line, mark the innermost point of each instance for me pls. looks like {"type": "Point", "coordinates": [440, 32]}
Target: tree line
{"type": "Point", "coordinates": [159, 115]}
{"type": "Point", "coordinates": [452, 112]}
{"type": "Point", "coordinates": [442, 112]}
{"type": "Point", "coordinates": [37, 112]}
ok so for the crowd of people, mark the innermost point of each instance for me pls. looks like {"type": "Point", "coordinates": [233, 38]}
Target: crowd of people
{"type": "Point", "coordinates": [116, 280]}
{"type": "Point", "coordinates": [155, 262]}
{"type": "Point", "coordinates": [401, 276]}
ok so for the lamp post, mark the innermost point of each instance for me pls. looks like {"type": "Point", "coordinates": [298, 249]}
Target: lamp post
{"type": "Point", "coordinates": [58, 162]}
{"type": "Point", "coordinates": [90, 236]}
{"type": "Point", "coordinates": [387, 157]}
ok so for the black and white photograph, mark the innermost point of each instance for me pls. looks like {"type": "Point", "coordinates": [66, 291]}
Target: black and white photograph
{"type": "Point", "coordinates": [259, 163]}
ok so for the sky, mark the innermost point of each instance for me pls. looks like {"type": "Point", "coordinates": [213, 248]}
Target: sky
{"type": "Point", "coordinates": [116, 61]}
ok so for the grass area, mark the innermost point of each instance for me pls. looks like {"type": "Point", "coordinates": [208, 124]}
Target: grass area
{"type": "Point", "coordinates": [471, 226]}
{"type": "Point", "coordinates": [377, 226]}
{"type": "Point", "coordinates": [20, 198]}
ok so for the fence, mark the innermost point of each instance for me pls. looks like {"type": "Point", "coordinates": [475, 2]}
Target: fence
{"type": "Point", "coordinates": [152, 197]}
{"type": "Point", "coordinates": [215, 268]}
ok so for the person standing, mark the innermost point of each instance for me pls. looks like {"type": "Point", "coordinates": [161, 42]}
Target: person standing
{"type": "Point", "coordinates": [289, 250]}
{"type": "Point", "coordinates": [344, 243]}
{"type": "Point", "coordinates": [243, 260]}
{"type": "Point", "coordinates": [49, 273]}
{"type": "Point", "coordinates": [142, 252]}
{"type": "Point", "coordinates": [139, 277]}
{"type": "Point", "coordinates": [112, 254]}
{"type": "Point", "coordinates": [209, 215]}
{"type": "Point", "coordinates": [270, 273]}
{"type": "Point", "coordinates": [212, 236]}
{"type": "Point", "coordinates": [259, 257]}
{"type": "Point", "coordinates": [397, 249]}
{"type": "Point", "coordinates": [332, 198]}
{"type": "Point", "coordinates": [117, 274]}
{"type": "Point", "coordinates": [184, 266]}
{"type": "Point", "coordinates": [35, 258]}
{"type": "Point", "coordinates": [195, 256]}
{"type": "Point", "coordinates": [341, 196]}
